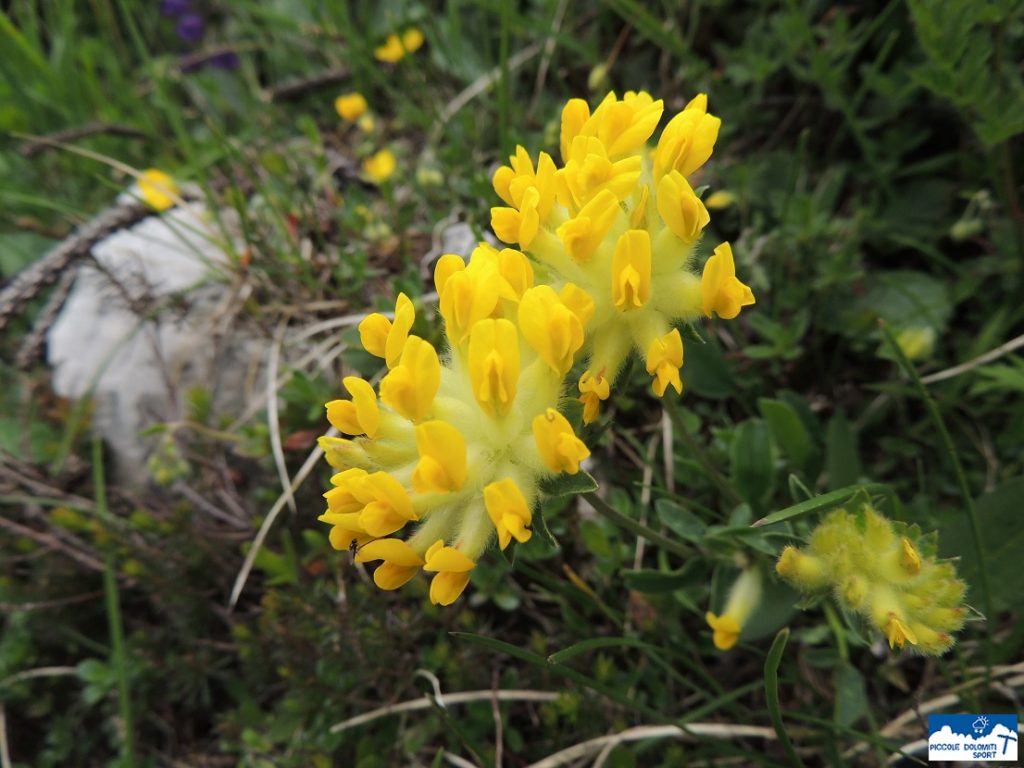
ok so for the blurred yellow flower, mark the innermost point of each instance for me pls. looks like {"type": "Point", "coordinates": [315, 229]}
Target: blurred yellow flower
{"type": "Point", "coordinates": [380, 166]}
{"type": "Point", "coordinates": [716, 201]}
{"type": "Point", "coordinates": [366, 123]}
{"type": "Point", "coordinates": [351, 106]}
{"type": "Point", "coordinates": [395, 48]}
{"type": "Point", "coordinates": [157, 189]}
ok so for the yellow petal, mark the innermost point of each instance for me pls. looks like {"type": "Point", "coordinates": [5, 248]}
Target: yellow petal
{"type": "Point", "coordinates": [664, 359]}
{"type": "Point", "coordinates": [557, 444]}
{"type": "Point", "coordinates": [680, 208]}
{"type": "Point", "coordinates": [494, 364]}
{"type": "Point", "coordinates": [550, 327]}
{"type": "Point", "coordinates": [442, 466]}
{"type": "Point", "coordinates": [410, 387]}
{"type": "Point", "coordinates": [726, 630]}
{"type": "Point", "coordinates": [446, 266]}
{"type": "Point", "coordinates": [631, 270]}
{"type": "Point", "coordinates": [721, 291]}
{"type": "Point", "coordinates": [405, 315]}
{"type": "Point", "coordinates": [373, 333]}
{"type": "Point", "coordinates": [444, 558]}
{"type": "Point", "coordinates": [446, 587]}
{"type": "Point", "coordinates": [508, 510]}
{"type": "Point", "coordinates": [390, 550]}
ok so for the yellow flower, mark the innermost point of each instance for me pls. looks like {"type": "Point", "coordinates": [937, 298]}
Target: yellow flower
{"type": "Point", "coordinates": [680, 207]}
{"type": "Point", "coordinates": [719, 200]}
{"type": "Point", "coordinates": [664, 359]}
{"type": "Point", "coordinates": [350, 106]}
{"type": "Point", "coordinates": [720, 289]}
{"type": "Point", "coordinates": [442, 466]}
{"type": "Point", "coordinates": [631, 270]}
{"type": "Point", "coordinates": [550, 327]}
{"type": "Point", "coordinates": [889, 579]}
{"type": "Point", "coordinates": [410, 386]}
{"type": "Point", "coordinates": [687, 141]}
{"type": "Point", "coordinates": [458, 442]}
{"type": "Point", "coordinates": [395, 48]}
{"type": "Point", "coordinates": [157, 189]}
{"type": "Point", "coordinates": [561, 450]}
{"type": "Point", "coordinates": [452, 568]}
{"type": "Point", "coordinates": [358, 416]}
{"type": "Point", "coordinates": [494, 364]}
{"type": "Point", "coordinates": [593, 388]}
{"type": "Point", "coordinates": [382, 338]}
{"type": "Point", "coordinates": [508, 510]}
{"type": "Point", "coordinates": [743, 599]}
{"type": "Point", "coordinates": [379, 167]}
{"type": "Point", "coordinates": [400, 564]}
{"type": "Point", "coordinates": [620, 222]}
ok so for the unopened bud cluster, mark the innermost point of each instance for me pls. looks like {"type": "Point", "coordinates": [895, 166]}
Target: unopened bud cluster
{"type": "Point", "coordinates": [890, 577]}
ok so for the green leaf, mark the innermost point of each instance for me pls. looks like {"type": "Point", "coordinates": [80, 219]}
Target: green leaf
{"type": "Point", "coordinates": [680, 520]}
{"type": "Point", "coordinates": [787, 429]}
{"type": "Point", "coordinates": [751, 458]}
{"type": "Point", "coordinates": [655, 582]}
{"type": "Point", "coordinates": [1002, 540]}
{"type": "Point", "coordinates": [822, 503]}
{"type": "Point", "coordinates": [841, 457]}
{"type": "Point", "coordinates": [851, 695]}
{"type": "Point", "coordinates": [706, 372]}
{"type": "Point", "coordinates": [569, 485]}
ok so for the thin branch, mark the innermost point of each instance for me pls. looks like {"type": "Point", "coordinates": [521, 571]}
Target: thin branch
{"type": "Point", "coordinates": [35, 146]}
{"type": "Point", "coordinates": [268, 523]}
{"type": "Point", "coordinates": [644, 732]}
{"type": "Point", "coordinates": [273, 422]}
{"type": "Point", "coordinates": [988, 357]}
{"type": "Point", "coordinates": [449, 699]}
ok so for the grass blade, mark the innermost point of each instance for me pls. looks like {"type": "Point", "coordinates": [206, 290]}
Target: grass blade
{"type": "Point", "coordinates": [113, 604]}
{"type": "Point", "coordinates": [771, 692]}
{"type": "Point", "coordinates": [821, 503]}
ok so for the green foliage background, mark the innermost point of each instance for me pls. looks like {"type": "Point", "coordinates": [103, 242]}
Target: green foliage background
{"type": "Point", "coordinates": [871, 152]}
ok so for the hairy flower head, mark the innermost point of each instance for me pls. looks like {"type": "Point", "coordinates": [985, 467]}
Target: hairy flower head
{"type": "Point", "coordinates": [456, 442]}
{"type": "Point", "coordinates": [886, 573]}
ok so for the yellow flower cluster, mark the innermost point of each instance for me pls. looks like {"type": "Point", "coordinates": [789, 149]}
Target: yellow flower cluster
{"type": "Point", "coordinates": [883, 575]}
{"type": "Point", "coordinates": [619, 220]}
{"type": "Point", "coordinates": [456, 442]}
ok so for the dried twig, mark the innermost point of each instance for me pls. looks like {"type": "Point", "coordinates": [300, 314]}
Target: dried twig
{"type": "Point", "coordinates": [268, 523]}
{"type": "Point", "coordinates": [644, 732]}
{"type": "Point", "coordinates": [35, 146]}
{"type": "Point", "coordinates": [447, 700]}
{"type": "Point", "coordinates": [988, 357]}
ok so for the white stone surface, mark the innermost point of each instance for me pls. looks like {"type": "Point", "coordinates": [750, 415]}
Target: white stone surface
{"type": "Point", "coordinates": [136, 333]}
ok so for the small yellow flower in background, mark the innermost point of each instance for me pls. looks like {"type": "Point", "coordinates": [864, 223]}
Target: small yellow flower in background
{"type": "Point", "coordinates": [719, 200]}
{"type": "Point", "coordinates": [380, 167]}
{"type": "Point", "coordinates": [367, 123]}
{"type": "Point", "coordinates": [916, 343]}
{"type": "Point", "coordinates": [351, 106]}
{"type": "Point", "coordinates": [888, 575]}
{"type": "Point", "coordinates": [619, 220]}
{"type": "Point", "coordinates": [395, 48]}
{"type": "Point", "coordinates": [744, 597]}
{"type": "Point", "coordinates": [458, 441]}
{"type": "Point", "coordinates": [157, 189]}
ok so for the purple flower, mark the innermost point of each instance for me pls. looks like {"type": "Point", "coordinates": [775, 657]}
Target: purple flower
{"type": "Point", "coordinates": [174, 7]}
{"type": "Point", "coordinates": [190, 28]}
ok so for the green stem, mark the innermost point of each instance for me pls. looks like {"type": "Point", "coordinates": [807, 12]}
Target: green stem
{"type": "Point", "coordinates": [961, 477]}
{"type": "Point", "coordinates": [625, 521]}
{"type": "Point", "coordinates": [113, 604]}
